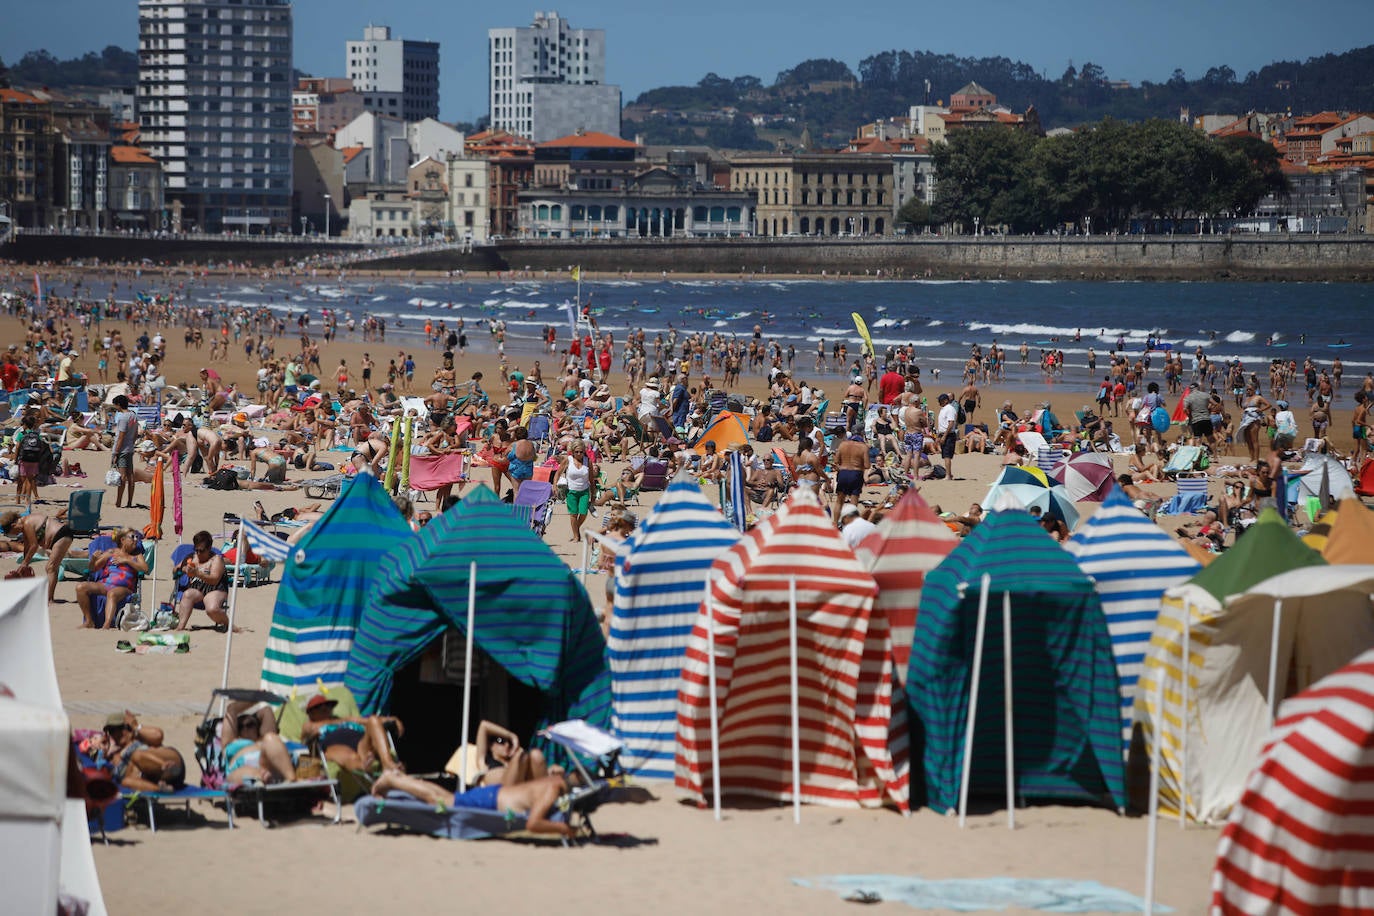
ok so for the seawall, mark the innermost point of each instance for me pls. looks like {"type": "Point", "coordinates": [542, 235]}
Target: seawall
{"type": "Point", "coordinates": [1269, 258]}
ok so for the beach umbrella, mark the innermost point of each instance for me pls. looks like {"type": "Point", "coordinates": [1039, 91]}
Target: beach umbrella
{"type": "Point", "coordinates": [739, 498]}
{"type": "Point", "coordinates": [1087, 476]}
{"type": "Point", "coordinates": [1031, 488]}
{"type": "Point", "coordinates": [1180, 414]}
{"type": "Point", "coordinates": [1299, 839]}
{"type": "Point", "coordinates": [157, 504]}
{"type": "Point", "coordinates": [910, 541]}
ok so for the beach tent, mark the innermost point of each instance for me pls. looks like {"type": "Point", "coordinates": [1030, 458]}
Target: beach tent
{"type": "Point", "coordinates": [728, 430]}
{"type": "Point", "coordinates": [324, 585]}
{"type": "Point", "coordinates": [1067, 724]}
{"type": "Point", "coordinates": [1345, 534]}
{"type": "Point", "coordinates": [1307, 481]}
{"type": "Point", "coordinates": [1225, 693]}
{"type": "Point", "coordinates": [532, 616]}
{"type": "Point", "coordinates": [910, 541]}
{"type": "Point", "coordinates": [1132, 562]}
{"type": "Point", "coordinates": [1299, 840]}
{"type": "Point", "coordinates": [44, 834]}
{"type": "Point", "coordinates": [844, 664]}
{"type": "Point", "coordinates": [660, 576]}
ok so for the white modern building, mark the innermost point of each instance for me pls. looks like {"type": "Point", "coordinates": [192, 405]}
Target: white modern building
{"type": "Point", "coordinates": [395, 76]}
{"type": "Point", "coordinates": [548, 80]}
{"type": "Point", "coordinates": [214, 108]}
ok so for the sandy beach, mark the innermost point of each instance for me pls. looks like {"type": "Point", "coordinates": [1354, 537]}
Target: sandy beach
{"type": "Point", "coordinates": [662, 853]}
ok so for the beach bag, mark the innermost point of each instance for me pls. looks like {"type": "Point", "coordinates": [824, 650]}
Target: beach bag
{"type": "Point", "coordinates": [112, 478]}
{"type": "Point", "coordinates": [1159, 419]}
{"type": "Point", "coordinates": [1288, 426]}
{"type": "Point", "coordinates": [223, 479]}
{"type": "Point", "coordinates": [1143, 417]}
{"type": "Point", "coordinates": [960, 416]}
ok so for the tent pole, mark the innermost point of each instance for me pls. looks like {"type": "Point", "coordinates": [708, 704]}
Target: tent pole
{"type": "Point", "coordinates": [1274, 660]}
{"type": "Point", "coordinates": [586, 548]}
{"type": "Point", "coordinates": [973, 698]}
{"type": "Point", "coordinates": [1183, 717]}
{"type": "Point", "coordinates": [796, 709]}
{"type": "Point", "coordinates": [233, 606]}
{"type": "Point", "coordinates": [1007, 716]}
{"type": "Point", "coordinates": [467, 672]}
{"type": "Point", "coordinates": [1152, 832]}
{"type": "Point", "coordinates": [711, 689]}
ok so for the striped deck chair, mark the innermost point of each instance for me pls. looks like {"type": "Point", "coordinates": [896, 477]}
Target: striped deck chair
{"type": "Point", "coordinates": [1049, 457]}
{"type": "Point", "coordinates": [1191, 497]}
{"type": "Point", "coordinates": [149, 415]}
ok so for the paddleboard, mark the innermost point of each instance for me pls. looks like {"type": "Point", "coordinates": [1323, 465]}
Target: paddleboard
{"type": "Point", "coordinates": [1340, 346]}
{"type": "Point", "coordinates": [1278, 345]}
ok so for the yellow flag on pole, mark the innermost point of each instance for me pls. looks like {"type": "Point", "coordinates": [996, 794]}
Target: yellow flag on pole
{"type": "Point", "coordinates": [863, 332]}
{"type": "Point", "coordinates": [577, 273]}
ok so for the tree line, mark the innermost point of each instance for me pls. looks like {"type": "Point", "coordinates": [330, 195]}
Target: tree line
{"type": "Point", "coordinates": [1111, 173]}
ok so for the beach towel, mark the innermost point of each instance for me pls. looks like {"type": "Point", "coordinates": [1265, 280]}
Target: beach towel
{"type": "Point", "coordinates": [1053, 895]}
{"type": "Point", "coordinates": [430, 472]}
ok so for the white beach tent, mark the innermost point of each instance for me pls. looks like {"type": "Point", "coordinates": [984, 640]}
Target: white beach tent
{"type": "Point", "coordinates": [46, 843]}
{"type": "Point", "coordinates": [1248, 652]}
{"type": "Point", "coordinates": [1131, 562]}
{"type": "Point", "coordinates": [660, 578]}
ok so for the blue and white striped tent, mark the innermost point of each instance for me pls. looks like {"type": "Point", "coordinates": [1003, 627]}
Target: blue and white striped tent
{"type": "Point", "coordinates": [1131, 562]}
{"type": "Point", "coordinates": [324, 583]}
{"type": "Point", "coordinates": [659, 582]}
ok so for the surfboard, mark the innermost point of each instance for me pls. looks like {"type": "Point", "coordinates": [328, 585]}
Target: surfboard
{"type": "Point", "coordinates": [1339, 346]}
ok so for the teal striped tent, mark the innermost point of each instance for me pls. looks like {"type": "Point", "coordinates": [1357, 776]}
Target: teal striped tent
{"type": "Point", "coordinates": [324, 583]}
{"type": "Point", "coordinates": [1066, 716]}
{"type": "Point", "coordinates": [533, 617]}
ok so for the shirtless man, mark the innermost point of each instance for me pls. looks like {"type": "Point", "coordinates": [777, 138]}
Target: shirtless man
{"type": "Point", "coordinates": [971, 398]}
{"type": "Point", "coordinates": [535, 798]}
{"type": "Point", "coordinates": [851, 462]}
{"type": "Point", "coordinates": [215, 395]}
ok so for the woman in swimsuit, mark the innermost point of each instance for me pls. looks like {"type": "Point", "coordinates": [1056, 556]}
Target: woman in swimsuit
{"type": "Point", "coordinates": [137, 757]}
{"type": "Point", "coordinates": [207, 583]}
{"type": "Point", "coordinates": [115, 573]}
{"type": "Point", "coordinates": [31, 533]}
{"type": "Point", "coordinates": [495, 455]}
{"type": "Point", "coordinates": [503, 761]}
{"type": "Point", "coordinates": [255, 758]}
{"type": "Point", "coordinates": [1252, 418]}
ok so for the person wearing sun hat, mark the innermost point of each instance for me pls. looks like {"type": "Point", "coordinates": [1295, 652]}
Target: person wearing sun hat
{"type": "Point", "coordinates": [353, 743]}
{"type": "Point", "coordinates": [649, 399]}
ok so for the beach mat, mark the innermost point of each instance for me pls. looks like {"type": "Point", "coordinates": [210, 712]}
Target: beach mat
{"type": "Point", "coordinates": [1050, 895]}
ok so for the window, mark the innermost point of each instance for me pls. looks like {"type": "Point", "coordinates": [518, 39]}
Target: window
{"type": "Point", "coordinates": [699, 214]}
{"type": "Point", "coordinates": [612, 212]}
{"type": "Point", "coordinates": [578, 213]}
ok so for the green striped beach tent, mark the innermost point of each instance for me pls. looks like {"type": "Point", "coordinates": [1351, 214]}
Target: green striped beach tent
{"type": "Point", "coordinates": [533, 617]}
{"type": "Point", "coordinates": [1066, 716]}
{"type": "Point", "coordinates": [324, 584]}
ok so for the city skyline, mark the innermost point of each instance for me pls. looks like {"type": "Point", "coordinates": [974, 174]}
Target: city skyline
{"type": "Point", "coordinates": [648, 48]}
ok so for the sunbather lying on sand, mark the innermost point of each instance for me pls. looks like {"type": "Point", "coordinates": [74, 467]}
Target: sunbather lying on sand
{"type": "Point", "coordinates": [535, 798]}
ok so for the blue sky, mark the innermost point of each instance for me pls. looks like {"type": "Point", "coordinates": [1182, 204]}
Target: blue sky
{"type": "Point", "coordinates": [654, 44]}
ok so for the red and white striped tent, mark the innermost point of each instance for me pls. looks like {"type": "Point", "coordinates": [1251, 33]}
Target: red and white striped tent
{"type": "Point", "coordinates": [845, 672]}
{"type": "Point", "coordinates": [910, 542]}
{"type": "Point", "coordinates": [1301, 840]}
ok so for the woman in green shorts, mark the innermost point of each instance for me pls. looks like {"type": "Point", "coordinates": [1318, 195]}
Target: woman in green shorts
{"type": "Point", "coordinates": [577, 471]}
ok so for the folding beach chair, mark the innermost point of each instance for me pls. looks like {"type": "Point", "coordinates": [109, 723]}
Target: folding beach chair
{"type": "Point", "coordinates": [303, 793]}
{"type": "Point", "coordinates": [1050, 457]}
{"type": "Point", "coordinates": [1191, 497]}
{"type": "Point", "coordinates": [539, 429]}
{"type": "Point", "coordinates": [534, 504]}
{"type": "Point", "coordinates": [1186, 459]}
{"type": "Point", "coordinates": [655, 475]}
{"type": "Point", "coordinates": [326, 487]}
{"type": "Point", "coordinates": [83, 512]}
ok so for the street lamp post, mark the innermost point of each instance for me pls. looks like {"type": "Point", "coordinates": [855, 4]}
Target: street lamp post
{"type": "Point", "coordinates": [975, 227]}
{"type": "Point", "coordinates": [327, 208]}
{"type": "Point", "coordinates": [303, 222]}
{"type": "Point", "coordinates": [1088, 222]}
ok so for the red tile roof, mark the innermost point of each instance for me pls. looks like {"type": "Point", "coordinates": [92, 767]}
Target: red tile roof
{"type": "Point", "coordinates": [14, 95]}
{"type": "Point", "coordinates": [350, 153]}
{"type": "Point", "coordinates": [131, 155]}
{"type": "Point", "coordinates": [592, 138]}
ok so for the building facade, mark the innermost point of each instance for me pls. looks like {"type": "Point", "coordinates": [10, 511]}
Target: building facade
{"type": "Point", "coordinates": [537, 72]}
{"type": "Point", "coordinates": [395, 76]}
{"type": "Point", "coordinates": [654, 204]}
{"type": "Point", "coordinates": [214, 108]}
{"type": "Point", "coordinates": [822, 194]}
{"type": "Point", "coordinates": [135, 189]}
{"type": "Point", "coordinates": [469, 198]}
{"type": "Point", "coordinates": [323, 105]}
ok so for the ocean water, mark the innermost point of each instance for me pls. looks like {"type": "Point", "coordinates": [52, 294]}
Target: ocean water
{"type": "Point", "coordinates": [1252, 322]}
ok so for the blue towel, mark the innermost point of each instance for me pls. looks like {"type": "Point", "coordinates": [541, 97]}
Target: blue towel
{"type": "Point", "coordinates": [1053, 895]}
{"type": "Point", "coordinates": [1185, 504]}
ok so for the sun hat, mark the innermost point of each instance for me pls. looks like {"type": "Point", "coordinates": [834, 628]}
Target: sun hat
{"type": "Point", "coordinates": [652, 382]}
{"type": "Point", "coordinates": [115, 720]}
{"type": "Point", "coordinates": [319, 700]}
{"type": "Point", "coordinates": [848, 510]}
